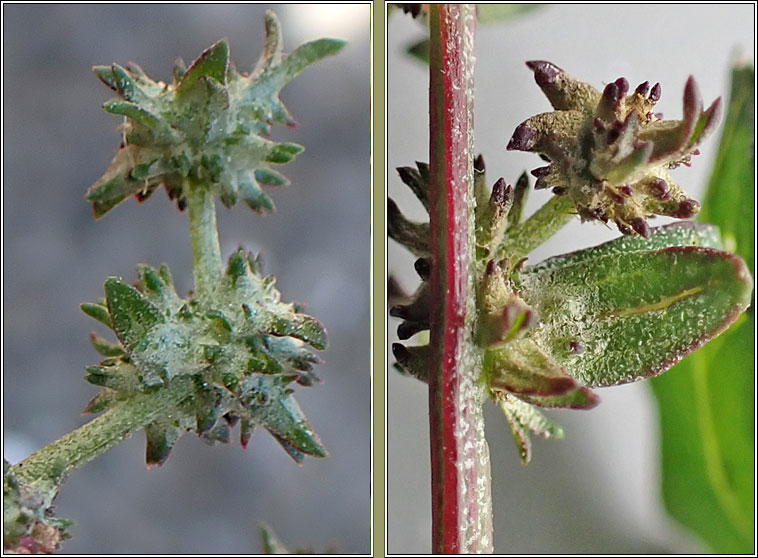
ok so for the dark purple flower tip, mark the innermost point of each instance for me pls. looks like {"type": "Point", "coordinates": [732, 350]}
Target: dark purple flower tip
{"type": "Point", "coordinates": [524, 138]}
{"type": "Point", "coordinates": [610, 93]}
{"type": "Point", "coordinates": [623, 86]}
{"type": "Point", "coordinates": [479, 163]}
{"type": "Point", "coordinates": [641, 227]}
{"type": "Point", "coordinates": [598, 124]}
{"type": "Point", "coordinates": [423, 267]}
{"type": "Point", "coordinates": [623, 229]}
{"type": "Point", "coordinates": [540, 171]}
{"type": "Point", "coordinates": [400, 353]}
{"type": "Point", "coordinates": [687, 208]}
{"type": "Point", "coordinates": [655, 93]}
{"type": "Point", "coordinates": [491, 267]}
{"type": "Point", "coordinates": [642, 88]}
{"type": "Point", "coordinates": [407, 175]}
{"type": "Point", "coordinates": [659, 188]}
{"type": "Point", "coordinates": [693, 102]}
{"type": "Point", "coordinates": [544, 72]}
{"type": "Point", "coordinates": [626, 191]}
{"type": "Point", "coordinates": [559, 191]}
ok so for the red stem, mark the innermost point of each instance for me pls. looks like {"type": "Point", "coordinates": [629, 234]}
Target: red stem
{"type": "Point", "coordinates": [461, 510]}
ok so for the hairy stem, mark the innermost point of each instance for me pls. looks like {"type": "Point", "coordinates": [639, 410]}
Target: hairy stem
{"type": "Point", "coordinates": [48, 468]}
{"type": "Point", "coordinates": [543, 224]}
{"type": "Point", "coordinates": [206, 252]}
{"type": "Point", "coordinates": [461, 500]}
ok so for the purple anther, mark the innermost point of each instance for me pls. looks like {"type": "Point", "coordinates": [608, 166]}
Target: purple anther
{"type": "Point", "coordinates": [623, 86]}
{"type": "Point", "coordinates": [625, 191]}
{"type": "Point", "coordinates": [687, 208]}
{"type": "Point", "coordinates": [659, 188]}
{"type": "Point", "coordinates": [559, 191]}
{"type": "Point", "coordinates": [539, 172]}
{"type": "Point", "coordinates": [491, 267]}
{"type": "Point", "coordinates": [524, 138]}
{"type": "Point", "coordinates": [642, 88]}
{"type": "Point", "coordinates": [479, 163]}
{"type": "Point", "coordinates": [598, 124]}
{"type": "Point", "coordinates": [641, 227]}
{"type": "Point", "coordinates": [655, 93]}
{"type": "Point", "coordinates": [498, 192]}
{"type": "Point", "coordinates": [611, 93]}
{"type": "Point", "coordinates": [544, 72]}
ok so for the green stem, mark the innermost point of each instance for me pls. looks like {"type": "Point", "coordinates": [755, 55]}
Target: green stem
{"type": "Point", "coordinates": [544, 223]}
{"type": "Point", "coordinates": [206, 252]}
{"type": "Point", "coordinates": [49, 467]}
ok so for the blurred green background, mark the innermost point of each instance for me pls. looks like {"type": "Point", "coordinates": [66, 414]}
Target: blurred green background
{"type": "Point", "coordinates": [57, 142]}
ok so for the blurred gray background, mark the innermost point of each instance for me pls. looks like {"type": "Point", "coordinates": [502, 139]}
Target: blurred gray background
{"type": "Point", "coordinates": [57, 142]}
{"type": "Point", "coordinates": [597, 491]}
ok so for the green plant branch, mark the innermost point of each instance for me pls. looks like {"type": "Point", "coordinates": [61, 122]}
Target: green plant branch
{"type": "Point", "coordinates": [48, 468]}
{"type": "Point", "coordinates": [207, 265]}
{"type": "Point", "coordinates": [542, 225]}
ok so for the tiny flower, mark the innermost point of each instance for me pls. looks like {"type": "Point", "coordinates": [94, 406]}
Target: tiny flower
{"type": "Point", "coordinates": [610, 152]}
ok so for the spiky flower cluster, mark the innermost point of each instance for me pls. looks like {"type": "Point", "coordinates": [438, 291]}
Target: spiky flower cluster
{"type": "Point", "coordinates": [206, 127]}
{"type": "Point", "coordinates": [610, 152]}
{"type": "Point", "coordinates": [236, 355]}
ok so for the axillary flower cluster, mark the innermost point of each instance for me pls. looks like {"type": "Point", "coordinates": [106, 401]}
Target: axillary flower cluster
{"type": "Point", "coordinates": [610, 152]}
{"type": "Point", "coordinates": [616, 313]}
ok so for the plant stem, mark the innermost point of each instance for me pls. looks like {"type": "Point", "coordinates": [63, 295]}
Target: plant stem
{"type": "Point", "coordinates": [47, 468]}
{"type": "Point", "coordinates": [544, 223]}
{"type": "Point", "coordinates": [461, 500]}
{"type": "Point", "coordinates": [206, 252]}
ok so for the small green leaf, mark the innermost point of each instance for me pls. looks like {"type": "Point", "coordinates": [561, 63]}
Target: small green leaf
{"type": "Point", "coordinates": [98, 312]}
{"type": "Point", "coordinates": [283, 153]}
{"type": "Point", "coordinates": [267, 177]}
{"type": "Point", "coordinates": [521, 367]}
{"type": "Point", "coordinates": [160, 439]}
{"type": "Point", "coordinates": [135, 112]}
{"type": "Point", "coordinates": [305, 55]}
{"type": "Point", "coordinates": [621, 317]}
{"type": "Point", "coordinates": [284, 419]}
{"type": "Point", "coordinates": [213, 63]}
{"type": "Point", "coordinates": [106, 348]}
{"type": "Point", "coordinates": [419, 50]}
{"type": "Point", "coordinates": [133, 315]}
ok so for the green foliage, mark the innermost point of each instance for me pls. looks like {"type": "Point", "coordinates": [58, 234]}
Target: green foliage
{"type": "Point", "coordinates": [242, 348]}
{"type": "Point", "coordinates": [209, 126]}
{"type": "Point", "coordinates": [707, 402]}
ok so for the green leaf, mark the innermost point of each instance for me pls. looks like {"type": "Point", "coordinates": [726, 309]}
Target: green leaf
{"type": "Point", "coordinates": [98, 312]}
{"type": "Point", "coordinates": [707, 403]}
{"type": "Point", "coordinates": [133, 316]}
{"type": "Point", "coordinates": [213, 63]}
{"type": "Point", "coordinates": [160, 439]}
{"type": "Point", "coordinates": [419, 50]}
{"type": "Point", "coordinates": [621, 317]}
